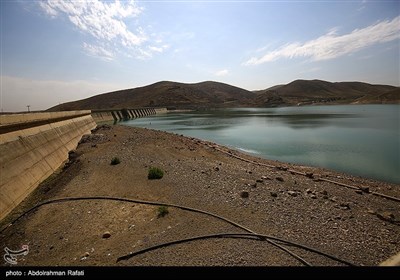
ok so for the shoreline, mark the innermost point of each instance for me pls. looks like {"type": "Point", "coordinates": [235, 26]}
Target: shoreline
{"type": "Point", "coordinates": [294, 202]}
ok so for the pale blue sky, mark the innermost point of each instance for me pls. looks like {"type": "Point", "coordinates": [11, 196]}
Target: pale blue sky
{"type": "Point", "coordinates": [58, 51]}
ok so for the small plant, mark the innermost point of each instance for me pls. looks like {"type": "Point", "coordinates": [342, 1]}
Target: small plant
{"type": "Point", "coordinates": [155, 173]}
{"type": "Point", "coordinates": [162, 211]}
{"type": "Point", "coordinates": [115, 161]}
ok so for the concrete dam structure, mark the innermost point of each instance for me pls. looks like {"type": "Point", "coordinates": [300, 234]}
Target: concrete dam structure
{"type": "Point", "coordinates": [124, 114]}
{"type": "Point", "coordinates": [34, 145]}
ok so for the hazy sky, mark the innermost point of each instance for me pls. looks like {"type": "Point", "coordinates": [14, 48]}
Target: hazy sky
{"type": "Point", "coordinates": [58, 51]}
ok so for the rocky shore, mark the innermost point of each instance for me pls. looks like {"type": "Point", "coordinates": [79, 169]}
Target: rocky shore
{"type": "Point", "coordinates": [310, 206]}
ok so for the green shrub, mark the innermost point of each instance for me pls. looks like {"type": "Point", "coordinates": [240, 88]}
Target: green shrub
{"type": "Point", "coordinates": [162, 211]}
{"type": "Point", "coordinates": [155, 173]}
{"type": "Point", "coordinates": [115, 161]}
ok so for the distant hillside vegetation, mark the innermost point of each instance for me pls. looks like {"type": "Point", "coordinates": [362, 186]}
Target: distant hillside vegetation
{"type": "Point", "coordinates": [209, 94]}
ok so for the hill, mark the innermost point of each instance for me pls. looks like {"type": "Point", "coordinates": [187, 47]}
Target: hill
{"type": "Point", "coordinates": [166, 94]}
{"type": "Point", "coordinates": [303, 92]}
{"type": "Point", "coordinates": [210, 94]}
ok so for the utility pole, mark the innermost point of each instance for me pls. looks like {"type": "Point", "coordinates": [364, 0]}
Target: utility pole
{"type": "Point", "coordinates": [28, 107]}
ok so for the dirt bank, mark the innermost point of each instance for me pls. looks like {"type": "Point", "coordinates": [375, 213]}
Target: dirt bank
{"type": "Point", "coordinates": [353, 225]}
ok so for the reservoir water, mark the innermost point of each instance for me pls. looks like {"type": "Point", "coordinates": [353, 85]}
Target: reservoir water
{"type": "Point", "coordinates": [361, 140]}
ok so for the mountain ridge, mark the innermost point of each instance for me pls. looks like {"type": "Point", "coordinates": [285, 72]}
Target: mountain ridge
{"type": "Point", "coordinates": [211, 94]}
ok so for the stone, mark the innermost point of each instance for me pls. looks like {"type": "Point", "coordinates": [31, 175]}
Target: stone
{"type": "Point", "coordinates": [308, 191]}
{"type": "Point", "coordinates": [274, 194]}
{"type": "Point", "coordinates": [325, 197]}
{"type": "Point", "coordinates": [72, 156]}
{"type": "Point", "coordinates": [313, 196]}
{"type": "Point", "coordinates": [370, 211]}
{"type": "Point", "coordinates": [106, 234]}
{"type": "Point", "coordinates": [386, 216]}
{"type": "Point", "coordinates": [364, 189]}
{"type": "Point", "coordinates": [216, 168]}
{"type": "Point", "coordinates": [280, 179]}
{"type": "Point", "coordinates": [309, 175]}
{"type": "Point", "coordinates": [244, 194]}
{"type": "Point", "coordinates": [324, 192]}
{"type": "Point", "coordinates": [254, 185]}
{"type": "Point", "coordinates": [359, 191]}
{"type": "Point", "coordinates": [259, 180]}
{"type": "Point", "coordinates": [345, 205]}
{"type": "Point", "coordinates": [265, 178]}
{"type": "Point", "coordinates": [292, 193]}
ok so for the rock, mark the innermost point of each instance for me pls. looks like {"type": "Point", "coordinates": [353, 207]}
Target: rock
{"type": "Point", "coordinates": [386, 216]}
{"type": "Point", "coordinates": [364, 189]}
{"type": "Point", "coordinates": [313, 196]}
{"type": "Point", "coordinates": [333, 199]}
{"type": "Point", "coordinates": [274, 194]}
{"type": "Point", "coordinates": [359, 191]}
{"type": "Point", "coordinates": [309, 175]}
{"type": "Point", "coordinates": [254, 185]}
{"type": "Point", "coordinates": [345, 205]}
{"type": "Point", "coordinates": [259, 180]}
{"type": "Point", "coordinates": [292, 193]}
{"type": "Point", "coordinates": [85, 256]}
{"type": "Point", "coordinates": [308, 191]}
{"type": "Point", "coordinates": [216, 168]}
{"type": "Point", "coordinates": [265, 178]}
{"type": "Point", "coordinates": [325, 197]}
{"type": "Point", "coordinates": [244, 194]}
{"type": "Point", "coordinates": [280, 179]}
{"type": "Point", "coordinates": [107, 234]}
{"type": "Point", "coordinates": [324, 192]}
{"type": "Point", "coordinates": [72, 156]}
{"type": "Point", "coordinates": [370, 211]}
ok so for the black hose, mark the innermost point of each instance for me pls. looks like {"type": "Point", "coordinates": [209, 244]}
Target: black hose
{"type": "Point", "coordinates": [65, 199]}
{"type": "Point", "coordinates": [260, 237]}
{"type": "Point", "coordinates": [161, 204]}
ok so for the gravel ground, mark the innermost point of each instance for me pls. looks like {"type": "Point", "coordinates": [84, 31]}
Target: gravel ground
{"type": "Point", "coordinates": [353, 225]}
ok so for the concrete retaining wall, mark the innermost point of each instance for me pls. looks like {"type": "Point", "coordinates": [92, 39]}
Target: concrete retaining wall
{"type": "Point", "coordinates": [33, 117]}
{"type": "Point", "coordinates": [28, 156]}
{"type": "Point", "coordinates": [118, 115]}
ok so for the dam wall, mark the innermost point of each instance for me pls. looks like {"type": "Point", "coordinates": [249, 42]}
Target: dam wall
{"type": "Point", "coordinates": [32, 147]}
{"type": "Point", "coordinates": [116, 115]}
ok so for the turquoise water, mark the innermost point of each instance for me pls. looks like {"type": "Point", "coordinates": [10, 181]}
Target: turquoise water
{"type": "Point", "coordinates": [361, 140]}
